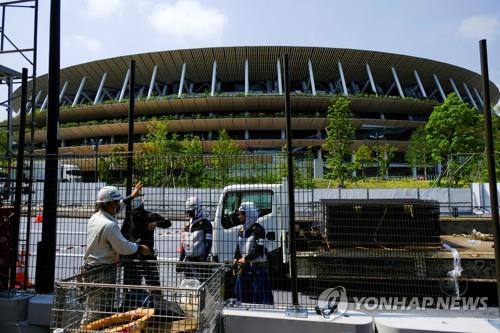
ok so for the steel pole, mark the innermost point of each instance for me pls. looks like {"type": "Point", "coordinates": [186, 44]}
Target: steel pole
{"type": "Point", "coordinates": [291, 184]}
{"type": "Point", "coordinates": [33, 113]}
{"type": "Point", "coordinates": [490, 154]}
{"type": "Point", "coordinates": [131, 109]}
{"type": "Point", "coordinates": [19, 180]}
{"type": "Point", "coordinates": [45, 263]}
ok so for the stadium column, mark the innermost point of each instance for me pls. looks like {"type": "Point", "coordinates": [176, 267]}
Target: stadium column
{"type": "Point", "coordinates": [124, 86]}
{"type": "Point", "coordinates": [79, 91]}
{"type": "Point", "coordinates": [396, 80]}
{"type": "Point", "coordinates": [467, 91]}
{"type": "Point", "coordinates": [247, 80]}
{"type": "Point", "coordinates": [101, 87]}
{"type": "Point", "coordinates": [438, 85]}
{"type": "Point", "coordinates": [479, 98]}
{"type": "Point", "coordinates": [455, 89]}
{"type": "Point", "coordinates": [213, 85]}
{"type": "Point", "coordinates": [420, 85]}
{"type": "Point", "coordinates": [280, 82]}
{"type": "Point", "coordinates": [63, 92]}
{"type": "Point", "coordinates": [342, 78]}
{"type": "Point", "coordinates": [311, 77]}
{"type": "Point", "coordinates": [152, 83]}
{"type": "Point", "coordinates": [372, 82]}
{"type": "Point", "coordinates": [183, 78]}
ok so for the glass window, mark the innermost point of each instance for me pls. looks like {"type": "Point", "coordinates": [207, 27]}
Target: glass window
{"type": "Point", "coordinates": [233, 200]}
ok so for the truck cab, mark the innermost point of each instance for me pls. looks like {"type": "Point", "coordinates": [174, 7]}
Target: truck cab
{"type": "Point", "coordinates": [271, 201]}
{"type": "Point", "coordinates": [70, 173]}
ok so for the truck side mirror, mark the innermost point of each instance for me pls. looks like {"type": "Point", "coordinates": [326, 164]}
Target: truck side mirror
{"type": "Point", "coordinates": [271, 236]}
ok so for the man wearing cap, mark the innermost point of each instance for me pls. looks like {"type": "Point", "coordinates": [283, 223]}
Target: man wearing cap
{"type": "Point", "coordinates": [105, 243]}
{"type": "Point", "coordinates": [139, 227]}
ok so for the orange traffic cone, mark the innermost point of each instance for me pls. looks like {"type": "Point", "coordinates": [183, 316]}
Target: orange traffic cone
{"type": "Point", "coordinates": [39, 215]}
{"type": "Point", "coordinates": [20, 276]}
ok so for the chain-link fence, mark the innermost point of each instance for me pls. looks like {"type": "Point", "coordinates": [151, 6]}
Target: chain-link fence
{"type": "Point", "coordinates": [343, 237]}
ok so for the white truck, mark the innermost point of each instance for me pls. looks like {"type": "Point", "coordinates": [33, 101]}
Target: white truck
{"type": "Point", "coordinates": [65, 172]}
{"type": "Point", "coordinates": [271, 201]}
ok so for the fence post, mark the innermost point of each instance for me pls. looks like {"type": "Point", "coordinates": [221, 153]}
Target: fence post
{"type": "Point", "coordinates": [490, 153]}
{"type": "Point", "coordinates": [130, 150]}
{"type": "Point", "coordinates": [46, 258]}
{"type": "Point", "coordinates": [19, 181]}
{"type": "Point", "coordinates": [291, 185]}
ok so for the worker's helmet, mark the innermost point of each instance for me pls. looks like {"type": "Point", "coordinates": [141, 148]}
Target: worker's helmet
{"type": "Point", "coordinates": [108, 194]}
{"type": "Point", "coordinates": [193, 207]}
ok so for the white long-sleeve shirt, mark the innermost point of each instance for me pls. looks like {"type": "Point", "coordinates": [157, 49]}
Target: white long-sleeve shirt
{"type": "Point", "coordinates": [105, 240]}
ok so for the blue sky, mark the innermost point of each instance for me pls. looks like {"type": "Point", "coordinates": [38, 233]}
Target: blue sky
{"type": "Point", "coordinates": [443, 30]}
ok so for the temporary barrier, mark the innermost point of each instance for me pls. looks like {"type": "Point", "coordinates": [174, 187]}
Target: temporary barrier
{"type": "Point", "coordinates": [105, 299]}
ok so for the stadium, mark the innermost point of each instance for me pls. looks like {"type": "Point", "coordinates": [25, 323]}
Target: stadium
{"type": "Point", "coordinates": [202, 91]}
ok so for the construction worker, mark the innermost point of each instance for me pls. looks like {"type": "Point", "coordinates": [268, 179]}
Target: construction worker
{"type": "Point", "coordinates": [196, 242]}
{"type": "Point", "coordinates": [139, 227]}
{"type": "Point", "coordinates": [105, 243]}
{"type": "Point", "coordinates": [250, 257]}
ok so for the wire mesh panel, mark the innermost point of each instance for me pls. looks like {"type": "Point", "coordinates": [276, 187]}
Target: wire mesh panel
{"type": "Point", "coordinates": [375, 248]}
{"type": "Point", "coordinates": [98, 300]}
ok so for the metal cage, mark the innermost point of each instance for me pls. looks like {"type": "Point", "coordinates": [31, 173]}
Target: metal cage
{"type": "Point", "coordinates": [141, 296]}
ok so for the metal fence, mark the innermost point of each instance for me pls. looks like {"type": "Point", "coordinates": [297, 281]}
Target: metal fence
{"type": "Point", "coordinates": [102, 299]}
{"type": "Point", "coordinates": [329, 252]}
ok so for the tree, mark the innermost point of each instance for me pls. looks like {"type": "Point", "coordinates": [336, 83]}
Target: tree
{"type": "Point", "coordinates": [192, 161]}
{"type": "Point", "coordinates": [418, 153]}
{"type": "Point", "coordinates": [112, 168]}
{"type": "Point", "coordinates": [225, 155]}
{"type": "Point", "coordinates": [339, 136]}
{"type": "Point", "coordinates": [385, 154]}
{"type": "Point", "coordinates": [158, 164]}
{"type": "Point", "coordinates": [453, 128]}
{"type": "Point", "coordinates": [362, 156]}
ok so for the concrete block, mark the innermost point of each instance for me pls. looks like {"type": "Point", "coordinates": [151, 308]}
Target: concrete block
{"type": "Point", "coordinates": [40, 310]}
{"type": "Point", "coordinates": [13, 308]}
{"type": "Point", "coordinates": [270, 320]}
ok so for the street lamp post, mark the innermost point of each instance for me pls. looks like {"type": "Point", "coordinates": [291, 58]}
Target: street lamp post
{"type": "Point", "coordinates": [95, 145]}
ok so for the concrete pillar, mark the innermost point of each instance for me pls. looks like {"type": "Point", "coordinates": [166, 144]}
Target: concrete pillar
{"type": "Point", "coordinates": [414, 172]}
{"type": "Point", "coordinates": [354, 172]}
{"type": "Point", "coordinates": [283, 134]}
{"type": "Point", "coordinates": [318, 165]}
{"type": "Point", "coordinates": [247, 134]}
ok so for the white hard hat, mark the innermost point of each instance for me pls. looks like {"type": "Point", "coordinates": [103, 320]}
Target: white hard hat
{"type": "Point", "coordinates": [108, 194]}
{"type": "Point", "coordinates": [194, 205]}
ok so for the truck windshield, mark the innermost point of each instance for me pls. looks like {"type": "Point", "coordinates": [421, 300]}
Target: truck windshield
{"type": "Point", "coordinates": [74, 172]}
{"type": "Point", "coordinates": [232, 201]}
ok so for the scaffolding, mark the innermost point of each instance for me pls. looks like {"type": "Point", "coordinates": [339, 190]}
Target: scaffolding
{"type": "Point", "coordinates": [17, 50]}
